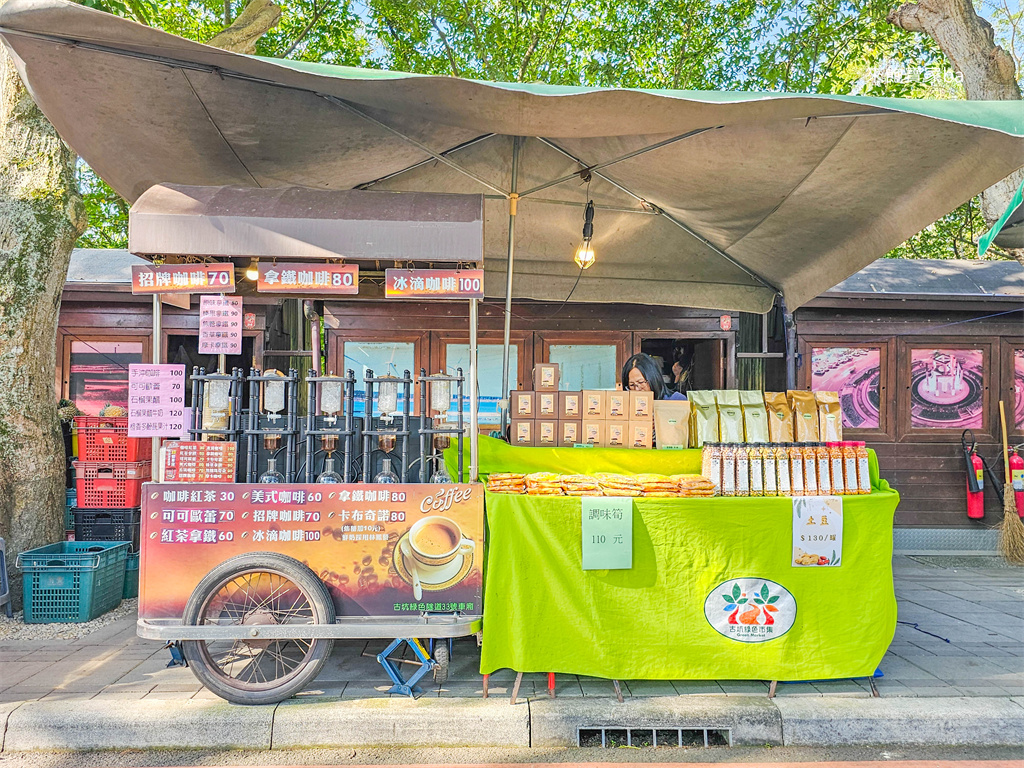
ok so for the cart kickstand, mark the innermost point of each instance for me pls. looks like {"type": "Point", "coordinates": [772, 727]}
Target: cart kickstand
{"type": "Point", "coordinates": [771, 688]}
{"type": "Point", "coordinates": [177, 658]}
{"type": "Point", "coordinates": [618, 691]}
{"type": "Point", "coordinates": [401, 685]}
{"type": "Point", "coordinates": [874, 688]}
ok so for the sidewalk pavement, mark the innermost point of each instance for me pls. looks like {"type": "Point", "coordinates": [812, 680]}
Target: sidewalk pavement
{"type": "Point", "coordinates": [112, 689]}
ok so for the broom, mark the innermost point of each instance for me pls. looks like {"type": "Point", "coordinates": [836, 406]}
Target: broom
{"type": "Point", "coordinates": [1011, 535]}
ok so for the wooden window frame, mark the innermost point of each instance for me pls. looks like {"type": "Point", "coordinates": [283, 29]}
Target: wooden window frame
{"type": "Point", "coordinates": [256, 335]}
{"type": "Point", "coordinates": [68, 335]}
{"type": "Point", "coordinates": [887, 414]}
{"type": "Point", "coordinates": [421, 352]}
{"type": "Point", "coordinates": [725, 378]}
{"type": "Point", "coordinates": [1007, 346]}
{"type": "Point", "coordinates": [622, 340]}
{"type": "Point", "coordinates": [989, 429]}
{"type": "Point", "coordinates": [440, 340]}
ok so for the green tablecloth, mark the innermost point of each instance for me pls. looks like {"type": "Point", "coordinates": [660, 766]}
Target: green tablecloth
{"type": "Point", "coordinates": [543, 613]}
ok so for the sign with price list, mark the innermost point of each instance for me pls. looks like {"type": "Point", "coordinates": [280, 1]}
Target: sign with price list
{"type": "Point", "coordinates": [434, 284]}
{"type": "Point", "coordinates": [156, 400]}
{"type": "Point", "coordinates": [183, 278]}
{"type": "Point", "coordinates": [817, 531]}
{"type": "Point", "coordinates": [607, 532]}
{"type": "Point", "coordinates": [191, 461]}
{"type": "Point", "coordinates": [220, 325]}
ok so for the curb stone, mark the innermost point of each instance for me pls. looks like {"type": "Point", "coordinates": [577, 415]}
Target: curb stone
{"type": "Point", "coordinates": [752, 720]}
{"type": "Point", "coordinates": [109, 724]}
{"type": "Point", "coordinates": [401, 722]}
{"type": "Point", "coordinates": [5, 713]}
{"type": "Point", "coordinates": [832, 721]}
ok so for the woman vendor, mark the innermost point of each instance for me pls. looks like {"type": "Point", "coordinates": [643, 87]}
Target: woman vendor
{"type": "Point", "coordinates": [642, 374]}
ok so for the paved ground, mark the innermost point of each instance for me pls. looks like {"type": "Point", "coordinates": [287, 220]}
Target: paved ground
{"type": "Point", "coordinates": [977, 604]}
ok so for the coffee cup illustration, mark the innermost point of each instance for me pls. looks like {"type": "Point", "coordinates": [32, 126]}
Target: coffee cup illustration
{"type": "Point", "coordinates": [437, 540]}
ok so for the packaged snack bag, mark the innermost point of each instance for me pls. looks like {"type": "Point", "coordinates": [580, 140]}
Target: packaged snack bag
{"type": "Point", "coordinates": [805, 415]}
{"type": "Point", "coordinates": [730, 415]}
{"type": "Point", "coordinates": [830, 418]}
{"type": "Point", "coordinates": [672, 423]}
{"type": "Point", "coordinates": [780, 417]}
{"type": "Point", "coordinates": [703, 417]}
{"type": "Point", "coordinates": [755, 416]}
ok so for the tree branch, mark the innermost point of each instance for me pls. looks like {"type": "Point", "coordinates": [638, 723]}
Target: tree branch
{"type": "Point", "coordinates": [447, 48]}
{"type": "Point", "coordinates": [533, 43]}
{"type": "Point", "coordinates": [258, 18]}
{"type": "Point", "coordinates": [312, 23]}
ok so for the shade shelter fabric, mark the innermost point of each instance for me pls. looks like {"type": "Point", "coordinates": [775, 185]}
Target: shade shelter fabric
{"type": "Point", "coordinates": [704, 199]}
{"type": "Point", "coordinates": [304, 223]}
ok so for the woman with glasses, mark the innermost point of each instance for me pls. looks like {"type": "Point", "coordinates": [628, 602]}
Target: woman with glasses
{"type": "Point", "coordinates": [642, 374]}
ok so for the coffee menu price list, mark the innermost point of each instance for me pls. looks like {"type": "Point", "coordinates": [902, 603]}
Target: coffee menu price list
{"type": "Point", "coordinates": [156, 400]}
{"type": "Point", "coordinates": [379, 549]}
{"type": "Point", "coordinates": [188, 461]}
{"type": "Point", "coordinates": [220, 325]}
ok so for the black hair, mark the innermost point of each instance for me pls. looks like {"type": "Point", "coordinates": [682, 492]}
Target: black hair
{"type": "Point", "coordinates": [649, 370]}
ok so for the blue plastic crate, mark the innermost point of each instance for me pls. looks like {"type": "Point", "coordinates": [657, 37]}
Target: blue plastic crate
{"type": "Point", "coordinates": [69, 518]}
{"type": "Point", "coordinates": [131, 577]}
{"type": "Point", "coordinates": [72, 581]}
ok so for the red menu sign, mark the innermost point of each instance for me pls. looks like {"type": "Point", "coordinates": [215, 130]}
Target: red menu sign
{"type": "Point", "coordinates": [183, 278]}
{"type": "Point", "coordinates": [220, 325]}
{"type": "Point", "coordinates": [434, 284]}
{"type": "Point", "coordinates": [306, 278]}
{"type": "Point", "coordinates": [156, 400]}
{"type": "Point", "coordinates": [381, 550]}
{"type": "Point", "coordinates": [189, 461]}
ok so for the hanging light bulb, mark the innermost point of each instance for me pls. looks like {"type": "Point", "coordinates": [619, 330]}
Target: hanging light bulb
{"type": "Point", "coordinates": [585, 253]}
{"type": "Point", "coordinates": [252, 272]}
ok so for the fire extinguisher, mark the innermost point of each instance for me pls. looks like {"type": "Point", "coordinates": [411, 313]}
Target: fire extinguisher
{"type": "Point", "coordinates": [1017, 478]}
{"type": "Point", "coordinates": [975, 477]}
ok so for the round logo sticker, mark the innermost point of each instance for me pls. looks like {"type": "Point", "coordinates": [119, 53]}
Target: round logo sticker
{"type": "Point", "coordinates": [750, 610]}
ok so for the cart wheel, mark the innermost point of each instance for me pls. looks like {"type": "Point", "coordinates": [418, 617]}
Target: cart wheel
{"type": "Point", "coordinates": [259, 588]}
{"type": "Point", "coordinates": [441, 656]}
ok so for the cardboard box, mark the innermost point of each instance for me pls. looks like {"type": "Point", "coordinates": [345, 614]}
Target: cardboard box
{"type": "Point", "coordinates": [569, 433]}
{"type": "Point", "coordinates": [546, 405]}
{"type": "Point", "coordinates": [640, 434]}
{"type": "Point", "coordinates": [546, 432]}
{"type": "Point", "coordinates": [522, 404]}
{"type": "Point", "coordinates": [641, 405]}
{"type": "Point", "coordinates": [617, 405]}
{"type": "Point", "coordinates": [592, 431]}
{"type": "Point", "coordinates": [595, 404]}
{"type": "Point", "coordinates": [524, 432]}
{"type": "Point", "coordinates": [616, 433]}
{"type": "Point", "coordinates": [570, 405]}
{"type": "Point", "coordinates": [545, 377]}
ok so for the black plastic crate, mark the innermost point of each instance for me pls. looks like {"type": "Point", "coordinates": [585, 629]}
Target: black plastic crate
{"type": "Point", "coordinates": [108, 525]}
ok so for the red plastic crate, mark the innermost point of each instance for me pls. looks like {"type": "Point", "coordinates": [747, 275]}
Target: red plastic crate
{"type": "Point", "coordinates": [104, 485]}
{"type": "Point", "coordinates": [105, 438]}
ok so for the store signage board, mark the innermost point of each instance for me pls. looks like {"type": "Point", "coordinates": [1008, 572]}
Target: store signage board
{"type": "Point", "coordinates": [817, 531]}
{"type": "Point", "coordinates": [220, 325]}
{"type": "Point", "coordinates": [607, 533]}
{"type": "Point", "coordinates": [156, 400]}
{"type": "Point", "coordinates": [434, 284]}
{"type": "Point", "coordinates": [188, 461]}
{"type": "Point", "coordinates": [336, 279]}
{"type": "Point", "coordinates": [183, 278]}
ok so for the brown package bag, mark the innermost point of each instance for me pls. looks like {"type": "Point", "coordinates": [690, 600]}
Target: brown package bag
{"type": "Point", "coordinates": [830, 417]}
{"type": "Point", "coordinates": [730, 415]}
{"type": "Point", "coordinates": [755, 416]}
{"type": "Point", "coordinates": [672, 423]}
{"type": "Point", "coordinates": [805, 415]}
{"type": "Point", "coordinates": [703, 417]}
{"type": "Point", "coordinates": [780, 417]}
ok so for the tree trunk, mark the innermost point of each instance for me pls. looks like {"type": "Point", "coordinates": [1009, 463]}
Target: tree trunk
{"type": "Point", "coordinates": [41, 216]}
{"type": "Point", "coordinates": [258, 18]}
{"type": "Point", "coordinates": [987, 70]}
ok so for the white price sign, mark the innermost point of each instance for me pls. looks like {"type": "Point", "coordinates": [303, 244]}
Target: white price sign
{"type": "Point", "coordinates": [817, 531]}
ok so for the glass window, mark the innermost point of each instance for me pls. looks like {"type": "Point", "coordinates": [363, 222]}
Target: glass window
{"type": "Point", "coordinates": [1018, 387]}
{"type": "Point", "coordinates": [853, 372]}
{"type": "Point", "coordinates": [585, 366]}
{"type": "Point", "coordinates": [384, 358]}
{"type": "Point", "coordinates": [489, 362]}
{"type": "Point", "coordinates": [98, 373]}
{"type": "Point", "coordinates": [947, 388]}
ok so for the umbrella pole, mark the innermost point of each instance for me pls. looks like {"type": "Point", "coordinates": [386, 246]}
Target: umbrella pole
{"type": "Point", "coordinates": [474, 391]}
{"type": "Point", "coordinates": [790, 327]}
{"type": "Point", "coordinates": [513, 199]}
{"type": "Point", "coordinates": [156, 465]}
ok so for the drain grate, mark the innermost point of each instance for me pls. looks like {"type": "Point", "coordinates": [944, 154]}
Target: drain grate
{"type": "Point", "coordinates": [611, 736]}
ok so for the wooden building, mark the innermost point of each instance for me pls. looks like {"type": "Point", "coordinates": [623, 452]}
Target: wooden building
{"type": "Point", "coordinates": [919, 350]}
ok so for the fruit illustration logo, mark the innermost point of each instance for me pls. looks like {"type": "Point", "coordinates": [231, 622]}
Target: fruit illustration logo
{"type": "Point", "coordinates": [750, 610]}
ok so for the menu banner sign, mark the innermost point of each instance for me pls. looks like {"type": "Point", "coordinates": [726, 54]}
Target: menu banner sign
{"type": "Point", "coordinates": [434, 284]}
{"type": "Point", "coordinates": [607, 532]}
{"type": "Point", "coordinates": [183, 278]}
{"type": "Point", "coordinates": [817, 531]}
{"type": "Point", "coordinates": [220, 325]}
{"type": "Point", "coordinates": [380, 549]}
{"type": "Point", "coordinates": [188, 461]}
{"type": "Point", "coordinates": [156, 400]}
{"type": "Point", "coordinates": [339, 279]}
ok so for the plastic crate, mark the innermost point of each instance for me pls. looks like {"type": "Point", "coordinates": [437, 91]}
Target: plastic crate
{"type": "Point", "coordinates": [131, 577]}
{"type": "Point", "coordinates": [72, 500]}
{"type": "Point", "coordinates": [108, 525]}
{"type": "Point", "coordinates": [105, 438]}
{"type": "Point", "coordinates": [72, 581]}
{"type": "Point", "coordinates": [110, 485]}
